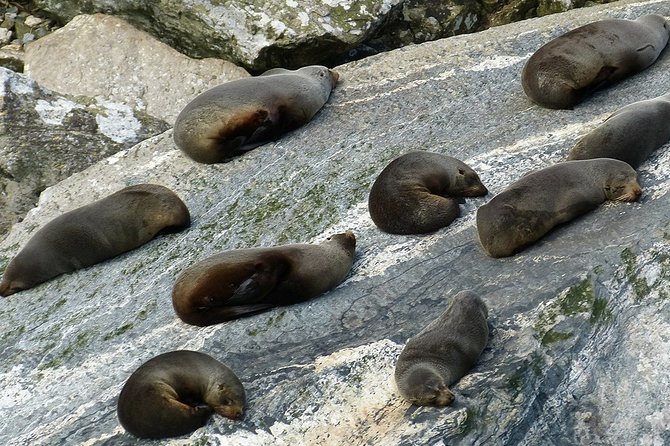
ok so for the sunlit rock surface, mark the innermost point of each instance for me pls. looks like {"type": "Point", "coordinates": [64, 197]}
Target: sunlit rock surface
{"type": "Point", "coordinates": [580, 322]}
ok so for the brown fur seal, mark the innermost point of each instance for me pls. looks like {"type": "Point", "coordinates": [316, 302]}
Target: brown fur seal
{"type": "Point", "coordinates": [443, 352]}
{"type": "Point", "coordinates": [245, 281]}
{"type": "Point", "coordinates": [414, 193]}
{"type": "Point", "coordinates": [175, 393]}
{"type": "Point", "coordinates": [567, 69]}
{"type": "Point", "coordinates": [630, 134]}
{"type": "Point", "coordinates": [245, 113]}
{"type": "Point", "coordinates": [540, 200]}
{"type": "Point", "coordinates": [95, 232]}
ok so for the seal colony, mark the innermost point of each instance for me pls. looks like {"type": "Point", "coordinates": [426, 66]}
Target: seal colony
{"type": "Point", "coordinates": [630, 134]}
{"type": "Point", "coordinates": [415, 193]}
{"type": "Point", "coordinates": [175, 393]}
{"type": "Point", "coordinates": [443, 352]}
{"type": "Point", "coordinates": [567, 69]}
{"type": "Point", "coordinates": [539, 201]}
{"type": "Point", "coordinates": [245, 281]}
{"type": "Point", "coordinates": [98, 231]}
{"type": "Point", "coordinates": [243, 114]}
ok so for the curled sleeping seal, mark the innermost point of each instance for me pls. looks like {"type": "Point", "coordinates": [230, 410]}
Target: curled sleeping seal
{"type": "Point", "coordinates": [242, 114]}
{"type": "Point", "coordinates": [443, 352]}
{"type": "Point", "coordinates": [630, 134]}
{"type": "Point", "coordinates": [567, 69]}
{"type": "Point", "coordinates": [175, 393]}
{"type": "Point", "coordinates": [95, 232]}
{"type": "Point", "coordinates": [245, 281]}
{"type": "Point", "coordinates": [542, 199]}
{"type": "Point", "coordinates": [417, 192]}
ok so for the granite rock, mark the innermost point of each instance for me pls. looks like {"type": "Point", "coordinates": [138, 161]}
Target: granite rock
{"type": "Point", "coordinates": [579, 321]}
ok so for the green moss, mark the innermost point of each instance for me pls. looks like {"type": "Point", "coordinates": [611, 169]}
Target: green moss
{"type": "Point", "coordinates": [578, 299]}
{"type": "Point", "coordinates": [600, 314]}
{"type": "Point", "coordinates": [553, 336]}
{"type": "Point", "coordinates": [119, 331]}
{"type": "Point", "coordinates": [639, 284]}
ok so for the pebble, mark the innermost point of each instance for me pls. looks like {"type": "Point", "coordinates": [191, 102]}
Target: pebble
{"type": "Point", "coordinates": [33, 21]}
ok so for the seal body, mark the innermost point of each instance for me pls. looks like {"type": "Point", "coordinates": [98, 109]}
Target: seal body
{"type": "Point", "coordinates": [416, 192]}
{"type": "Point", "coordinates": [567, 69]}
{"type": "Point", "coordinates": [95, 232]}
{"type": "Point", "coordinates": [175, 393]}
{"type": "Point", "coordinates": [630, 134]}
{"type": "Point", "coordinates": [242, 114]}
{"type": "Point", "coordinates": [245, 281]}
{"type": "Point", "coordinates": [443, 352]}
{"type": "Point", "coordinates": [533, 205]}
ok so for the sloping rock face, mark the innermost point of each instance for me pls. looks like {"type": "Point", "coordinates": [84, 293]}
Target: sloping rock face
{"type": "Point", "coordinates": [46, 137]}
{"type": "Point", "coordinates": [579, 344]}
{"type": "Point", "coordinates": [265, 34]}
{"type": "Point", "coordinates": [148, 75]}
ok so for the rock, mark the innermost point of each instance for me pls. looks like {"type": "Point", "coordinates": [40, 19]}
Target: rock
{"type": "Point", "coordinates": [579, 321]}
{"type": "Point", "coordinates": [45, 137]}
{"type": "Point", "coordinates": [33, 21]}
{"type": "Point", "coordinates": [99, 56]}
{"type": "Point", "coordinates": [11, 56]}
{"type": "Point", "coordinates": [265, 34]}
{"type": "Point", "coordinates": [5, 36]}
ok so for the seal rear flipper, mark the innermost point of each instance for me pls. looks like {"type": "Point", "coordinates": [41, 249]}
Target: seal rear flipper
{"type": "Point", "coordinates": [248, 292]}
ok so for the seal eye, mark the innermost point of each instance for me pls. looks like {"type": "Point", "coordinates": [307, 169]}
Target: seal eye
{"type": "Point", "coordinates": [461, 171]}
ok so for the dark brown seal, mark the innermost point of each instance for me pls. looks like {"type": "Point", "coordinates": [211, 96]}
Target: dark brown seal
{"type": "Point", "coordinates": [175, 393]}
{"type": "Point", "coordinates": [567, 69]}
{"type": "Point", "coordinates": [416, 192]}
{"type": "Point", "coordinates": [443, 352]}
{"type": "Point", "coordinates": [245, 113]}
{"type": "Point", "coordinates": [95, 232]}
{"type": "Point", "coordinates": [540, 200]}
{"type": "Point", "coordinates": [630, 134]}
{"type": "Point", "coordinates": [245, 281]}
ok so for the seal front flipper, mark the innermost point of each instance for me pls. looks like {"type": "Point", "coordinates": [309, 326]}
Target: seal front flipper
{"type": "Point", "coordinates": [266, 276]}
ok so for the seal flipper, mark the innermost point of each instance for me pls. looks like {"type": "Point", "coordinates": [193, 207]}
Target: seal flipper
{"type": "Point", "coordinates": [267, 274]}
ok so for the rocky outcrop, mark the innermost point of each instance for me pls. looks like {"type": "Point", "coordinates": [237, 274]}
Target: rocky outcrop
{"type": "Point", "coordinates": [578, 352]}
{"type": "Point", "coordinates": [271, 33]}
{"type": "Point", "coordinates": [148, 75]}
{"type": "Point", "coordinates": [46, 137]}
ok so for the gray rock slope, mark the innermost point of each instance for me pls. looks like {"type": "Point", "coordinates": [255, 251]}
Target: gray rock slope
{"type": "Point", "coordinates": [578, 352]}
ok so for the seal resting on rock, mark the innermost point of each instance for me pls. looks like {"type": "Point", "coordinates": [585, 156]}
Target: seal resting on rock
{"type": "Point", "coordinates": [242, 114]}
{"type": "Point", "coordinates": [245, 281]}
{"type": "Point", "coordinates": [630, 134]}
{"type": "Point", "coordinates": [443, 352]}
{"type": "Point", "coordinates": [567, 69]}
{"type": "Point", "coordinates": [415, 193]}
{"type": "Point", "coordinates": [95, 232]}
{"type": "Point", "coordinates": [540, 200]}
{"type": "Point", "coordinates": [175, 393]}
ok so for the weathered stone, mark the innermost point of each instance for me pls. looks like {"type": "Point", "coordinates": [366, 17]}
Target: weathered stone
{"type": "Point", "coordinates": [33, 21]}
{"type": "Point", "coordinates": [580, 321]}
{"type": "Point", "coordinates": [11, 56]}
{"type": "Point", "coordinates": [45, 137]}
{"type": "Point", "coordinates": [261, 35]}
{"type": "Point", "coordinates": [99, 55]}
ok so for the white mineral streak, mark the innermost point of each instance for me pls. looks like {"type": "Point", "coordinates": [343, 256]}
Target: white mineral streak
{"type": "Point", "coordinates": [117, 122]}
{"type": "Point", "coordinates": [53, 113]}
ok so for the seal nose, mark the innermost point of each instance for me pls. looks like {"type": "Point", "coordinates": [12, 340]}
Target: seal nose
{"type": "Point", "coordinates": [334, 76]}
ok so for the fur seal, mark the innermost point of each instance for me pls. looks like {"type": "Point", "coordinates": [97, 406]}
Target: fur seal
{"type": "Point", "coordinates": [567, 69]}
{"type": "Point", "coordinates": [245, 281]}
{"type": "Point", "coordinates": [443, 352]}
{"type": "Point", "coordinates": [542, 199]}
{"type": "Point", "coordinates": [414, 193]}
{"type": "Point", "coordinates": [242, 114]}
{"type": "Point", "coordinates": [630, 134]}
{"type": "Point", "coordinates": [95, 232]}
{"type": "Point", "coordinates": [175, 393]}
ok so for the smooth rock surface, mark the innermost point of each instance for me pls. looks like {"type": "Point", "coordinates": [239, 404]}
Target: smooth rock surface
{"type": "Point", "coordinates": [45, 137]}
{"type": "Point", "coordinates": [277, 33]}
{"type": "Point", "coordinates": [578, 352]}
{"type": "Point", "coordinates": [147, 74]}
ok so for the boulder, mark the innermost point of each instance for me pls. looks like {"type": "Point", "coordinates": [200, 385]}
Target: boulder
{"type": "Point", "coordinates": [147, 74]}
{"type": "Point", "coordinates": [45, 137]}
{"type": "Point", "coordinates": [578, 321]}
{"type": "Point", "coordinates": [277, 33]}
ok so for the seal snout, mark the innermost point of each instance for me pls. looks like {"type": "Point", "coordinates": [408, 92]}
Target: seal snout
{"type": "Point", "coordinates": [334, 77]}
{"type": "Point", "coordinates": [232, 412]}
{"type": "Point", "coordinates": [631, 193]}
